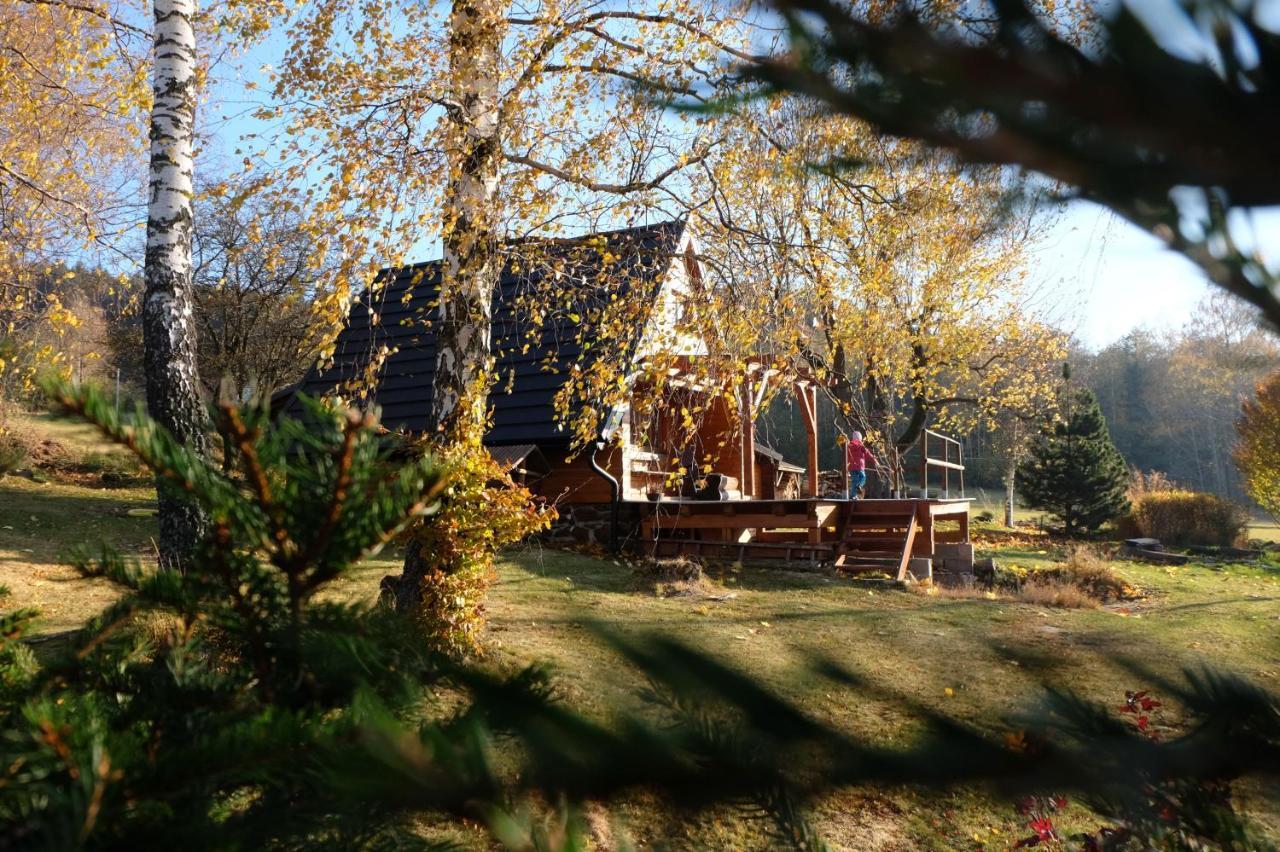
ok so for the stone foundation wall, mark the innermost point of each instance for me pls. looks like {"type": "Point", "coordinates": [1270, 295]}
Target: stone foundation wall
{"type": "Point", "coordinates": [953, 564]}
{"type": "Point", "coordinates": [588, 524]}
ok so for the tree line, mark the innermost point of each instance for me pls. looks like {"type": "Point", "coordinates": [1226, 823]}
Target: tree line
{"type": "Point", "coordinates": [1172, 400]}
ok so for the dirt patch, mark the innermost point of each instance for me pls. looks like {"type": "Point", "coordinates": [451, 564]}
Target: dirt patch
{"type": "Point", "coordinates": [673, 578]}
{"type": "Point", "coordinates": [65, 598]}
{"type": "Point", "coordinates": [862, 822]}
{"type": "Point", "coordinates": [47, 453]}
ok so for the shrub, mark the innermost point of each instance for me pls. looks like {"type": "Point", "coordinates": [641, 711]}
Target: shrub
{"type": "Point", "coordinates": [1178, 516]}
{"type": "Point", "coordinates": [1258, 451]}
{"type": "Point", "coordinates": [449, 554]}
{"type": "Point", "coordinates": [1051, 591]}
{"type": "Point", "coordinates": [1088, 570]}
{"type": "Point", "coordinates": [1084, 579]}
{"type": "Point", "coordinates": [12, 453]}
{"type": "Point", "coordinates": [1149, 482]}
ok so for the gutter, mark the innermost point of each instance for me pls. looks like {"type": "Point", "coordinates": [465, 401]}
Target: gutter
{"type": "Point", "coordinates": [615, 495]}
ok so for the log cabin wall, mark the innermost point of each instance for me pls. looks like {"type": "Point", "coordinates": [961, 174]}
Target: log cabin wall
{"type": "Point", "coordinates": [573, 480]}
{"type": "Point", "coordinates": [720, 435]}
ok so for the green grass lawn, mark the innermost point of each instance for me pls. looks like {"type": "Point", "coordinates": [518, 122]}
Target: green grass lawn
{"type": "Point", "coordinates": [990, 500]}
{"type": "Point", "coordinates": [1266, 530]}
{"type": "Point", "coordinates": [981, 661]}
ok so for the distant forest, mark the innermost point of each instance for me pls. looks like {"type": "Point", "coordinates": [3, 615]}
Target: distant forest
{"type": "Point", "coordinates": [1172, 399]}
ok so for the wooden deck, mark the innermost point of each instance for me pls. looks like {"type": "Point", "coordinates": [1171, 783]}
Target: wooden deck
{"type": "Point", "coordinates": [880, 535]}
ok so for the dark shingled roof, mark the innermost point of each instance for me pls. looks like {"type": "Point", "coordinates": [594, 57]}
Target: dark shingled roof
{"type": "Point", "coordinates": [636, 260]}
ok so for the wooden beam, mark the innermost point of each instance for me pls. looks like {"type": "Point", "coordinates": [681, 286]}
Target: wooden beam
{"type": "Point", "coordinates": [907, 549]}
{"type": "Point", "coordinates": [807, 396]}
{"type": "Point", "coordinates": [748, 417]}
{"type": "Point", "coordinates": [808, 400]}
{"type": "Point", "coordinates": [736, 522]}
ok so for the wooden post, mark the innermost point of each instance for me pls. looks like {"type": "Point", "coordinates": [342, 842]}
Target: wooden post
{"type": "Point", "coordinates": [946, 471]}
{"type": "Point", "coordinates": [808, 399]}
{"type": "Point", "coordinates": [748, 477]}
{"type": "Point", "coordinates": [924, 463]}
{"type": "Point", "coordinates": [813, 439]}
{"type": "Point", "coordinates": [809, 413]}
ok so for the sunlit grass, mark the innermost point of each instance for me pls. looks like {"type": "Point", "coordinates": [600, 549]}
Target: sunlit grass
{"type": "Point", "coordinates": [1266, 530]}
{"type": "Point", "coordinates": [980, 661]}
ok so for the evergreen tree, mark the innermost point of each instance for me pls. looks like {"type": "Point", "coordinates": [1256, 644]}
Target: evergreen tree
{"type": "Point", "coordinates": [1075, 472]}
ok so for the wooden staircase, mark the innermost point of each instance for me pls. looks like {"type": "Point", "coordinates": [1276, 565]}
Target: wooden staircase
{"type": "Point", "coordinates": [869, 538]}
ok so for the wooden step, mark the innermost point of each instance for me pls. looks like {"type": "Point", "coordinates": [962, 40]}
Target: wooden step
{"type": "Point", "coordinates": [877, 539]}
{"type": "Point", "coordinates": [855, 565]}
{"type": "Point", "coordinates": [882, 521]}
{"type": "Point", "coordinates": [876, 554]}
{"type": "Point", "coordinates": [861, 528]}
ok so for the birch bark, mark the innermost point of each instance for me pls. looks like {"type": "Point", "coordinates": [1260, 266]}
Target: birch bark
{"type": "Point", "coordinates": [169, 352]}
{"type": "Point", "coordinates": [472, 261]}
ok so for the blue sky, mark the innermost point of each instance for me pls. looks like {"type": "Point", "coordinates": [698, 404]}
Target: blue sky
{"type": "Point", "coordinates": [1108, 277]}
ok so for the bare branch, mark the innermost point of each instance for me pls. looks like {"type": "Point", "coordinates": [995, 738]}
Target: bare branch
{"type": "Point", "coordinates": [615, 188]}
{"type": "Point", "coordinates": [100, 14]}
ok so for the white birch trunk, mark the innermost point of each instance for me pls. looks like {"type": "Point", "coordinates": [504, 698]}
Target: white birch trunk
{"type": "Point", "coordinates": [173, 396]}
{"type": "Point", "coordinates": [472, 260]}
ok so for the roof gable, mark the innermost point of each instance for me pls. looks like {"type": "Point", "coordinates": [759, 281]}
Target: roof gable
{"type": "Point", "coordinates": [550, 294]}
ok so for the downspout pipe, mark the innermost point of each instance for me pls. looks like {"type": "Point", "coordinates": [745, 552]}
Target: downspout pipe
{"type": "Point", "coordinates": [615, 496]}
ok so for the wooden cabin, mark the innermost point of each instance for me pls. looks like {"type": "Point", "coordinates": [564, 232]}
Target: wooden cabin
{"type": "Point", "coordinates": [389, 339]}
{"type": "Point", "coordinates": [645, 462]}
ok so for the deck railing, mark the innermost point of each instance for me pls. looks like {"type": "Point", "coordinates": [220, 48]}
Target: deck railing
{"type": "Point", "coordinates": [944, 463]}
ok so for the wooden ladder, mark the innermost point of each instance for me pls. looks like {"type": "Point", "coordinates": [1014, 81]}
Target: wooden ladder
{"type": "Point", "coordinates": [869, 540]}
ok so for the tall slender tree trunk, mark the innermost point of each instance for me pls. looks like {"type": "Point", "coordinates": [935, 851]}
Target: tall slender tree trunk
{"type": "Point", "coordinates": [472, 259]}
{"type": "Point", "coordinates": [168, 325]}
{"type": "Point", "coordinates": [1010, 480]}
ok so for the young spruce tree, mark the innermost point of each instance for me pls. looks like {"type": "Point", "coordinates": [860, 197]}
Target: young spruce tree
{"type": "Point", "coordinates": [1075, 472]}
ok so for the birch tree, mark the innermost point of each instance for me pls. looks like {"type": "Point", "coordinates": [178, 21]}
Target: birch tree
{"type": "Point", "coordinates": [482, 122]}
{"type": "Point", "coordinates": [470, 231]}
{"type": "Point", "coordinates": [72, 97]}
{"type": "Point", "coordinates": [168, 324]}
{"type": "Point", "coordinates": [492, 126]}
{"type": "Point", "coordinates": [900, 286]}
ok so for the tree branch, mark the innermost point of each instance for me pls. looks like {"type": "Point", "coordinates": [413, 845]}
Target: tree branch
{"type": "Point", "coordinates": [100, 14]}
{"type": "Point", "coordinates": [615, 188]}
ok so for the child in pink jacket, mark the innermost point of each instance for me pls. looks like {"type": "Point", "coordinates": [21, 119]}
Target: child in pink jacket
{"type": "Point", "coordinates": [857, 456]}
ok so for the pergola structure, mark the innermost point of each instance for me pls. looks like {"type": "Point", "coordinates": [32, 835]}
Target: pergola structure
{"type": "Point", "coordinates": [756, 381]}
{"type": "Point", "coordinates": [897, 536]}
